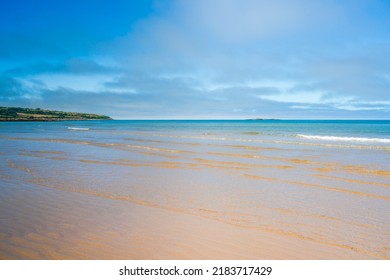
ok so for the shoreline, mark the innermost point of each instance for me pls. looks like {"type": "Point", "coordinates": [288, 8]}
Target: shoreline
{"type": "Point", "coordinates": [146, 190]}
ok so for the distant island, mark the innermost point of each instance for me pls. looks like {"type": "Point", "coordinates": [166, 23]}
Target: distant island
{"type": "Point", "coordinates": [38, 114]}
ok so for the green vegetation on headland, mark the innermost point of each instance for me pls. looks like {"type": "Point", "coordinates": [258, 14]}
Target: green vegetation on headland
{"type": "Point", "coordinates": [37, 114]}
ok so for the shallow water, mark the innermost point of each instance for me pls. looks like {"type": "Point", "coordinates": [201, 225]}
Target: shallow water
{"type": "Point", "coordinates": [195, 189]}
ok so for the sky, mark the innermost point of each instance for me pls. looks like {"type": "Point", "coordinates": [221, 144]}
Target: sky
{"type": "Point", "coordinates": [198, 59]}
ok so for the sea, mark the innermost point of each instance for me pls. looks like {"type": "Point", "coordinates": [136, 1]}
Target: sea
{"type": "Point", "coordinates": [195, 189]}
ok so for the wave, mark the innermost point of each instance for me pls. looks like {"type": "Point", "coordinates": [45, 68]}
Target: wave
{"type": "Point", "coordinates": [78, 128]}
{"type": "Point", "coordinates": [345, 139]}
{"type": "Point", "coordinates": [346, 143]}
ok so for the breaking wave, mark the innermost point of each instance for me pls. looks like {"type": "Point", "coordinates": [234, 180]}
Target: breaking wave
{"type": "Point", "coordinates": [345, 139]}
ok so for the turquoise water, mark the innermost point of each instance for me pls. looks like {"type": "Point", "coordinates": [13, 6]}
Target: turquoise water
{"type": "Point", "coordinates": [370, 133]}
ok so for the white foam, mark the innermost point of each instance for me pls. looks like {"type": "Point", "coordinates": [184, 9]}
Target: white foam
{"type": "Point", "coordinates": [78, 128]}
{"type": "Point", "coordinates": [345, 139]}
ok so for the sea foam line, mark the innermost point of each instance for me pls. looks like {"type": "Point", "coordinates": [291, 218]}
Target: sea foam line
{"type": "Point", "coordinates": [78, 128]}
{"type": "Point", "coordinates": [345, 139]}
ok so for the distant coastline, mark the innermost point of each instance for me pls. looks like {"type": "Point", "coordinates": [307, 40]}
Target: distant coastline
{"type": "Point", "coordinates": [14, 114]}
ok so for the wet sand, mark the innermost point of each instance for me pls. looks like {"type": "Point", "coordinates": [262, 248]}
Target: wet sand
{"type": "Point", "coordinates": [155, 196]}
{"type": "Point", "coordinates": [64, 225]}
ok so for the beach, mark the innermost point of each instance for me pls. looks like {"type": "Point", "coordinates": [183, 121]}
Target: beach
{"type": "Point", "coordinates": [195, 190]}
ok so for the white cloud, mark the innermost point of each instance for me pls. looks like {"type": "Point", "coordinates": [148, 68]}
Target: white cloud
{"type": "Point", "coordinates": [88, 83]}
{"type": "Point", "coordinates": [296, 97]}
{"type": "Point", "coordinates": [250, 54]}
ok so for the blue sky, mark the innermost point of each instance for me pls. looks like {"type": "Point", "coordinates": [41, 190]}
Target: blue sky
{"type": "Point", "coordinates": [198, 59]}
